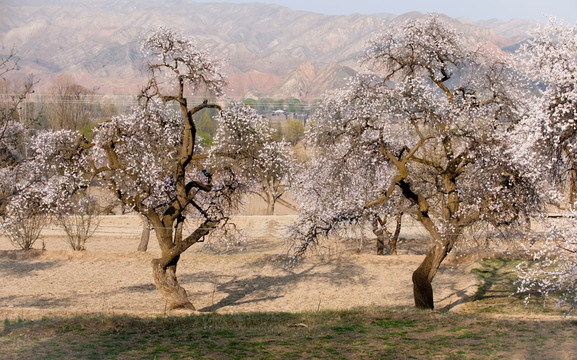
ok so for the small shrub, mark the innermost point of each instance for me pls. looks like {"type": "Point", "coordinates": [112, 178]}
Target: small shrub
{"type": "Point", "coordinates": [81, 222]}
{"type": "Point", "coordinates": [23, 228]}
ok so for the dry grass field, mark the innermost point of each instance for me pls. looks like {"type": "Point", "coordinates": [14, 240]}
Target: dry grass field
{"type": "Point", "coordinates": [342, 302]}
{"type": "Point", "coordinates": [110, 277]}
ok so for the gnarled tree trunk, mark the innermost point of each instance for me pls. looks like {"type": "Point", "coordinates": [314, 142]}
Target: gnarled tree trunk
{"type": "Point", "coordinates": [166, 281]}
{"type": "Point", "coordinates": [572, 189]}
{"type": "Point", "coordinates": [425, 273]}
{"type": "Point", "coordinates": [379, 229]}
{"type": "Point", "coordinates": [422, 277]}
{"type": "Point", "coordinates": [422, 288]}
{"type": "Point", "coordinates": [172, 244]}
{"type": "Point", "coordinates": [380, 241]}
{"type": "Point", "coordinates": [394, 238]}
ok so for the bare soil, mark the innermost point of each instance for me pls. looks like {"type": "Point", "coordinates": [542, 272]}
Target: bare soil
{"type": "Point", "coordinates": [110, 277]}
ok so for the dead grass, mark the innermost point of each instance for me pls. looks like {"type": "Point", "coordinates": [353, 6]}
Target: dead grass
{"type": "Point", "coordinates": [339, 304]}
{"type": "Point", "coordinates": [110, 277]}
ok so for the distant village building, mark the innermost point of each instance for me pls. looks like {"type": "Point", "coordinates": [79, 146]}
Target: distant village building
{"type": "Point", "coordinates": [278, 115]}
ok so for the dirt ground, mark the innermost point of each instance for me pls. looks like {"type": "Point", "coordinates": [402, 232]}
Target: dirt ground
{"type": "Point", "coordinates": [110, 277]}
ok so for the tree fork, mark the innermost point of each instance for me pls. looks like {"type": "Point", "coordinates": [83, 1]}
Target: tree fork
{"type": "Point", "coordinates": [423, 276]}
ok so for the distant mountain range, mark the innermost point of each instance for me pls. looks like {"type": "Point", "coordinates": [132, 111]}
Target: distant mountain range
{"type": "Point", "coordinates": [271, 51]}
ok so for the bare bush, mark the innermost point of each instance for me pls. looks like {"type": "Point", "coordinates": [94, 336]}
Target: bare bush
{"type": "Point", "coordinates": [23, 229]}
{"type": "Point", "coordinates": [81, 223]}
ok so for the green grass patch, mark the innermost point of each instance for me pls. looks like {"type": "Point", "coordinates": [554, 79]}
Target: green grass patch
{"type": "Point", "coordinates": [497, 292]}
{"type": "Point", "coordinates": [364, 333]}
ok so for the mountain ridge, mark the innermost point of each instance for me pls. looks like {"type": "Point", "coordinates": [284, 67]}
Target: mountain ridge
{"type": "Point", "coordinates": [265, 45]}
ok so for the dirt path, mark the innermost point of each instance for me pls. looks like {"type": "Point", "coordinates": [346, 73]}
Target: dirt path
{"type": "Point", "coordinates": [110, 277]}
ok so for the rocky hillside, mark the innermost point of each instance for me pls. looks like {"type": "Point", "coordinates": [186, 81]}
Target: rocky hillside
{"type": "Point", "coordinates": [271, 50]}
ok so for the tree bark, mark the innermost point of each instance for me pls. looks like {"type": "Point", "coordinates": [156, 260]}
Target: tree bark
{"type": "Point", "coordinates": [145, 236]}
{"type": "Point", "coordinates": [423, 276]}
{"type": "Point", "coordinates": [395, 237]}
{"type": "Point", "coordinates": [380, 243]}
{"type": "Point", "coordinates": [379, 229]}
{"type": "Point", "coordinates": [172, 244]}
{"type": "Point", "coordinates": [572, 179]}
{"type": "Point", "coordinates": [425, 273]}
{"type": "Point", "coordinates": [166, 281]}
{"type": "Point", "coordinates": [422, 289]}
{"type": "Point", "coordinates": [270, 206]}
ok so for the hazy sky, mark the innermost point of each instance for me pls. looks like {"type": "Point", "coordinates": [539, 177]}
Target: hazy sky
{"type": "Point", "coordinates": [473, 9]}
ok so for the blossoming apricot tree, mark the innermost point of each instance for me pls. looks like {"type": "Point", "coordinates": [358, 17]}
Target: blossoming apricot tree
{"type": "Point", "coordinates": [428, 125]}
{"type": "Point", "coordinates": [154, 162]}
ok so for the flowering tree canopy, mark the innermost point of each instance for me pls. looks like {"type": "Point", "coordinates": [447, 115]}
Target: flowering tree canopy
{"type": "Point", "coordinates": [333, 187]}
{"type": "Point", "coordinates": [177, 63]}
{"type": "Point", "coordinates": [552, 269]}
{"type": "Point", "coordinates": [38, 173]}
{"type": "Point", "coordinates": [154, 162]}
{"type": "Point", "coordinates": [42, 184]}
{"type": "Point", "coordinates": [550, 60]}
{"type": "Point", "coordinates": [12, 131]}
{"type": "Point", "coordinates": [268, 162]}
{"type": "Point", "coordinates": [428, 125]}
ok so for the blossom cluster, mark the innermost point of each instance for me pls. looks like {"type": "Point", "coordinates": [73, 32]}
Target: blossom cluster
{"type": "Point", "coordinates": [246, 142]}
{"type": "Point", "coordinates": [176, 58]}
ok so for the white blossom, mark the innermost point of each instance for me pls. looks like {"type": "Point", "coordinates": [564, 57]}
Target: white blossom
{"type": "Point", "coordinates": [429, 126]}
{"type": "Point", "coordinates": [547, 140]}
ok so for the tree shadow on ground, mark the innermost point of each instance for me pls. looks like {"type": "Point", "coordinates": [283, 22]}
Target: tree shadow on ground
{"type": "Point", "coordinates": [237, 291]}
{"type": "Point", "coordinates": [461, 296]}
{"type": "Point", "coordinates": [34, 301]}
{"type": "Point", "coordinates": [260, 288]}
{"type": "Point", "coordinates": [20, 254]}
{"type": "Point", "coordinates": [256, 288]}
{"type": "Point", "coordinates": [495, 280]}
{"type": "Point", "coordinates": [137, 288]}
{"type": "Point", "coordinates": [16, 267]}
{"type": "Point", "coordinates": [415, 245]}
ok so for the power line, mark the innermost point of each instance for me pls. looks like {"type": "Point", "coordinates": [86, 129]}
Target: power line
{"type": "Point", "coordinates": [133, 99]}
